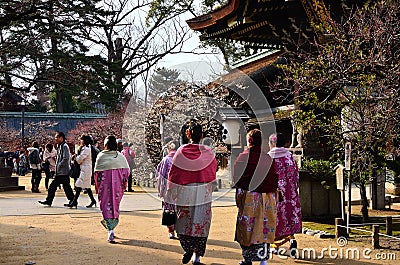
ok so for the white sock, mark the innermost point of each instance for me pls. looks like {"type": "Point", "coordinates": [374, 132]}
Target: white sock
{"type": "Point", "coordinates": [263, 262]}
{"type": "Point", "coordinates": [196, 258]}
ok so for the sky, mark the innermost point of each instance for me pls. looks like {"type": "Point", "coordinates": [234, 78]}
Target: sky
{"type": "Point", "coordinates": [201, 66]}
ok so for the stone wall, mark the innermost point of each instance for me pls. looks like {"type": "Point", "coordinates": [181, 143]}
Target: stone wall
{"type": "Point", "coordinates": [316, 200]}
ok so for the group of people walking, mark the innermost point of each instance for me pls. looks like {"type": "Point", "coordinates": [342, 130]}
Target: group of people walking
{"type": "Point", "coordinates": [266, 190]}
{"type": "Point", "coordinates": [111, 174]}
{"type": "Point", "coordinates": [266, 194]}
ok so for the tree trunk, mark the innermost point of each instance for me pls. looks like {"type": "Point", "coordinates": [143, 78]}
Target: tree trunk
{"type": "Point", "coordinates": [54, 48]}
{"type": "Point", "coordinates": [364, 201]}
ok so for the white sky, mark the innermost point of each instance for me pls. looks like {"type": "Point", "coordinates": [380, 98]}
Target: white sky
{"type": "Point", "coordinates": [201, 66]}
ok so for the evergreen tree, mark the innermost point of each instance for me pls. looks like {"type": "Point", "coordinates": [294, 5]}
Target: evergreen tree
{"type": "Point", "coordinates": [162, 80]}
{"type": "Point", "coordinates": [43, 48]}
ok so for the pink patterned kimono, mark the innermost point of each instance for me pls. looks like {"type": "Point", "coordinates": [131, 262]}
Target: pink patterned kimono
{"type": "Point", "coordinates": [289, 218]}
{"type": "Point", "coordinates": [110, 189]}
{"type": "Point", "coordinates": [189, 187]}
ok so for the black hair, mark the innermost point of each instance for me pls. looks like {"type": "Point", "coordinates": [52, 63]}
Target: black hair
{"type": "Point", "coordinates": [86, 139]}
{"type": "Point", "coordinates": [61, 134]}
{"type": "Point", "coordinates": [195, 131]}
{"type": "Point", "coordinates": [49, 146]}
{"type": "Point", "coordinates": [35, 144]}
{"type": "Point", "coordinates": [184, 139]}
{"type": "Point", "coordinates": [91, 139]}
{"type": "Point", "coordinates": [168, 139]}
{"type": "Point", "coordinates": [111, 143]}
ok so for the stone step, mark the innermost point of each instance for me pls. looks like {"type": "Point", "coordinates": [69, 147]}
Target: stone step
{"type": "Point", "coordinates": [8, 181]}
{"type": "Point", "coordinates": [11, 188]}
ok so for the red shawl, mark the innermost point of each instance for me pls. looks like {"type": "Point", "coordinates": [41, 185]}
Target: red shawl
{"type": "Point", "coordinates": [193, 163]}
{"type": "Point", "coordinates": [255, 171]}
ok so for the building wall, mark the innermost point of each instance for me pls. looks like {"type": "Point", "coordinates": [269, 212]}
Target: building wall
{"type": "Point", "coordinates": [59, 121]}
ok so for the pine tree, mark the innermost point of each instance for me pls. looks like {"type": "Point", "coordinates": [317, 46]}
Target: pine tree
{"type": "Point", "coordinates": [162, 80]}
{"type": "Point", "coordinates": [44, 48]}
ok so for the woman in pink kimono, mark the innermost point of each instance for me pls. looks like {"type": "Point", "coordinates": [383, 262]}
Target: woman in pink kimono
{"type": "Point", "coordinates": [189, 187]}
{"type": "Point", "coordinates": [111, 176]}
{"type": "Point", "coordinates": [289, 218]}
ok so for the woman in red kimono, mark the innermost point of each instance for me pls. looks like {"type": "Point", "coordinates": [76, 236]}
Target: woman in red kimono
{"type": "Point", "coordinates": [189, 187]}
{"type": "Point", "coordinates": [256, 185]}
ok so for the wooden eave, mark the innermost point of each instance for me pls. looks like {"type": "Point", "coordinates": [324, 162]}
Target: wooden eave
{"type": "Point", "coordinates": [260, 24]}
{"type": "Point", "coordinates": [272, 23]}
{"type": "Point", "coordinates": [204, 21]}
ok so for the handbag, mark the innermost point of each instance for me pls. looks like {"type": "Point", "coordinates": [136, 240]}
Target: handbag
{"type": "Point", "coordinates": [168, 218]}
{"type": "Point", "coordinates": [75, 170]}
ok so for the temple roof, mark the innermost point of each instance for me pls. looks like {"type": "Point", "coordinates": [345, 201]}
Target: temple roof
{"type": "Point", "coordinates": [271, 23]}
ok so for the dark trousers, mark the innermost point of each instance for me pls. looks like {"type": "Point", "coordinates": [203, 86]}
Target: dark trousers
{"type": "Point", "coordinates": [64, 180]}
{"type": "Point", "coordinates": [49, 175]}
{"type": "Point", "coordinates": [36, 177]}
{"type": "Point", "coordinates": [130, 180]}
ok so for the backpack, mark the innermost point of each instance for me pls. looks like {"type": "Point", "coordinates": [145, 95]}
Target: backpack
{"type": "Point", "coordinates": [33, 157]}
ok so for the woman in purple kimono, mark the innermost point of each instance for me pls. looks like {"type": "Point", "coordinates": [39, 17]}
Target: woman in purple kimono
{"type": "Point", "coordinates": [162, 177]}
{"type": "Point", "coordinates": [289, 218]}
{"type": "Point", "coordinates": [111, 176]}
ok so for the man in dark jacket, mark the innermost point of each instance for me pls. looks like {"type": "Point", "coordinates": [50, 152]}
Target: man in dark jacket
{"type": "Point", "coordinates": [62, 171]}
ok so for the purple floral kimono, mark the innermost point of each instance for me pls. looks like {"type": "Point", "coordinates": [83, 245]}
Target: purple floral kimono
{"type": "Point", "coordinates": [289, 218]}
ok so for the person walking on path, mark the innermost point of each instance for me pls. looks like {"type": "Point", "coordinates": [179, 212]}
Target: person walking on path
{"type": "Point", "coordinates": [130, 157]}
{"type": "Point", "coordinates": [189, 187]}
{"type": "Point", "coordinates": [256, 185]}
{"type": "Point", "coordinates": [111, 176]}
{"type": "Point", "coordinates": [84, 159]}
{"type": "Point", "coordinates": [62, 171]}
{"type": "Point", "coordinates": [34, 163]}
{"type": "Point", "coordinates": [289, 218]}
{"type": "Point", "coordinates": [49, 158]}
{"type": "Point", "coordinates": [162, 177]}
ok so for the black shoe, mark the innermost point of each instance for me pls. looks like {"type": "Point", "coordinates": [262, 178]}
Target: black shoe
{"type": "Point", "coordinates": [131, 190]}
{"type": "Point", "coordinates": [245, 263]}
{"type": "Point", "coordinates": [45, 203]}
{"type": "Point", "coordinates": [186, 257]}
{"type": "Point", "coordinates": [293, 244]}
{"type": "Point", "coordinates": [196, 263]}
{"type": "Point", "coordinates": [73, 204]}
{"type": "Point", "coordinates": [91, 204]}
{"type": "Point", "coordinates": [293, 248]}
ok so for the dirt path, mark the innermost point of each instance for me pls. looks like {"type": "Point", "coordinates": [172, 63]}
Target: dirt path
{"type": "Point", "coordinates": [80, 239]}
